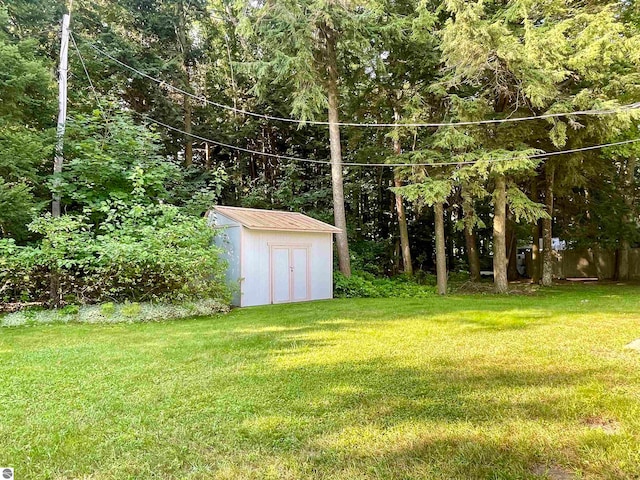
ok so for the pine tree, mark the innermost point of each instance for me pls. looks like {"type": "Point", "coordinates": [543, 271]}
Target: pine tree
{"type": "Point", "coordinates": [26, 121]}
{"type": "Point", "coordinates": [309, 45]}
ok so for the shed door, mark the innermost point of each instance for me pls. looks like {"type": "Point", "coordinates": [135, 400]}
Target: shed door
{"type": "Point", "coordinates": [289, 274]}
{"type": "Point", "coordinates": [300, 275]}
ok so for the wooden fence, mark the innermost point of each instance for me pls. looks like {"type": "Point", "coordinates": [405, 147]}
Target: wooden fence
{"type": "Point", "coordinates": [582, 264]}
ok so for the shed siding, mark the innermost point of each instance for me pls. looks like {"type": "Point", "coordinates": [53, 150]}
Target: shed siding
{"type": "Point", "coordinates": [229, 239]}
{"type": "Point", "coordinates": [256, 263]}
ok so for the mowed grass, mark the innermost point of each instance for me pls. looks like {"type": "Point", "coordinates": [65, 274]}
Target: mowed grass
{"type": "Point", "coordinates": [438, 388]}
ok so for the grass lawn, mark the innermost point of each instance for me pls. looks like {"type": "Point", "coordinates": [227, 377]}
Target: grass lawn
{"type": "Point", "coordinates": [438, 388]}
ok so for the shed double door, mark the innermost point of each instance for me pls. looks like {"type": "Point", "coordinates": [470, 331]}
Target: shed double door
{"type": "Point", "coordinates": [289, 273]}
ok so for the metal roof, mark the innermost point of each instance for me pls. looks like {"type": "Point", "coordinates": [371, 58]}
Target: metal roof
{"type": "Point", "coordinates": [256, 219]}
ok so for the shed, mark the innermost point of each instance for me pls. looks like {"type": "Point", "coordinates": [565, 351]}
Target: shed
{"type": "Point", "coordinates": [275, 256]}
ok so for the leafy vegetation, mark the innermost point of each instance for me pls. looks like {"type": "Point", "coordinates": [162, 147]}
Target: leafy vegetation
{"type": "Point", "coordinates": [137, 253]}
{"type": "Point", "coordinates": [366, 285]}
{"type": "Point", "coordinates": [397, 63]}
{"type": "Point", "coordinates": [441, 388]}
{"type": "Point", "coordinates": [110, 312]}
{"type": "Point", "coordinates": [126, 236]}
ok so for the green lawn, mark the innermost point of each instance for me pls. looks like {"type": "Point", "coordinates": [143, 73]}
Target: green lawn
{"type": "Point", "coordinates": [458, 387]}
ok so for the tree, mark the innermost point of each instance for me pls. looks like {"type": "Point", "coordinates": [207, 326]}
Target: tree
{"type": "Point", "coordinates": [630, 217]}
{"type": "Point", "coordinates": [394, 61]}
{"type": "Point", "coordinates": [471, 191]}
{"type": "Point", "coordinates": [109, 155]}
{"type": "Point", "coordinates": [26, 118]}
{"type": "Point", "coordinates": [434, 193]}
{"type": "Point", "coordinates": [403, 63]}
{"type": "Point", "coordinates": [521, 59]}
{"type": "Point", "coordinates": [307, 45]}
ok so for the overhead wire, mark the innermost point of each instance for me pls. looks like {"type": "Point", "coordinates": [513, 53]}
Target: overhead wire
{"type": "Point", "coordinates": [540, 156]}
{"type": "Point", "coordinates": [611, 111]}
{"type": "Point", "coordinates": [86, 71]}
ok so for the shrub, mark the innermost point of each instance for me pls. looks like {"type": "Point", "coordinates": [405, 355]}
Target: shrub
{"type": "Point", "coordinates": [354, 286]}
{"type": "Point", "coordinates": [139, 253]}
{"type": "Point", "coordinates": [23, 276]}
{"type": "Point", "coordinates": [362, 284]}
{"type": "Point", "coordinates": [370, 256]}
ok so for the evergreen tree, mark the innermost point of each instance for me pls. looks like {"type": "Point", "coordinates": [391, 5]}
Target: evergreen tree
{"type": "Point", "coordinates": [310, 45]}
{"type": "Point", "coordinates": [26, 119]}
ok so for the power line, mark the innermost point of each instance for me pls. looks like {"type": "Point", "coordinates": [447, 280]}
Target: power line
{"type": "Point", "coordinates": [540, 156]}
{"type": "Point", "coordinates": [622, 108]}
{"type": "Point", "coordinates": [86, 71]}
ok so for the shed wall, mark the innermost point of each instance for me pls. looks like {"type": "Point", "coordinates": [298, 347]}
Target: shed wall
{"type": "Point", "coordinates": [255, 261]}
{"type": "Point", "coordinates": [229, 239]}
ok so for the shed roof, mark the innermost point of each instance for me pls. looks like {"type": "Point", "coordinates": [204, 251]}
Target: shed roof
{"type": "Point", "coordinates": [256, 219]}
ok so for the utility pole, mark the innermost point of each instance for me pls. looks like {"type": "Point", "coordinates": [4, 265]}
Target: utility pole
{"type": "Point", "coordinates": [62, 109]}
{"type": "Point", "coordinates": [54, 284]}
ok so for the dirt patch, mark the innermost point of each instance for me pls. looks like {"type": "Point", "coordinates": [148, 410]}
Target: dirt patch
{"type": "Point", "coordinates": [635, 345]}
{"type": "Point", "coordinates": [553, 472]}
{"type": "Point", "coordinates": [15, 307]}
{"type": "Point", "coordinates": [515, 288]}
{"type": "Point", "coordinates": [606, 425]}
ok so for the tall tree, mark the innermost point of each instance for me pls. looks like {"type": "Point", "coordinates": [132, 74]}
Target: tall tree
{"type": "Point", "coordinates": [517, 59]}
{"type": "Point", "coordinates": [547, 233]}
{"type": "Point", "coordinates": [26, 121]}
{"type": "Point", "coordinates": [311, 45]}
{"type": "Point", "coordinates": [630, 216]}
{"type": "Point", "coordinates": [499, 234]}
{"type": "Point", "coordinates": [432, 191]}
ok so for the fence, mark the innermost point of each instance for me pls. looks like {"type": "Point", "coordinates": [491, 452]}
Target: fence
{"type": "Point", "coordinates": [585, 264]}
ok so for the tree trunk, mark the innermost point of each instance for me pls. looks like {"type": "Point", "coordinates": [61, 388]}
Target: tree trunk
{"type": "Point", "coordinates": [188, 139]}
{"type": "Point", "coordinates": [547, 252]}
{"type": "Point", "coordinates": [404, 230]}
{"type": "Point", "coordinates": [472, 253]}
{"type": "Point", "coordinates": [622, 272]}
{"type": "Point", "coordinates": [512, 250]}
{"type": "Point", "coordinates": [499, 236]}
{"type": "Point", "coordinates": [450, 238]}
{"type": "Point", "coordinates": [441, 256]}
{"type": "Point", "coordinates": [402, 218]}
{"type": "Point", "coordinates": [535, 233]}
{"type": "Point", "coordinates": [185, 49]}
{"type": "Point", "coordinates": [337, 181]}
{"type": "Point", "coordinates": [471, 242]}
{"type": "Point", "coordinates": [535, 253]}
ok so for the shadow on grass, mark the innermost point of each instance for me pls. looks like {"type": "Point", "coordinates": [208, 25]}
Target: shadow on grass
{"type": "Point", "coordinates": [399, 421]}
{"type": "Point", "coordinates": [257, 390]}
{"type": "Point", "coordinates": [494, 314]}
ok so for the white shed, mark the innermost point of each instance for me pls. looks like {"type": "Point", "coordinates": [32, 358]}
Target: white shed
{"type": "Point", "coordinates": [274, 256]}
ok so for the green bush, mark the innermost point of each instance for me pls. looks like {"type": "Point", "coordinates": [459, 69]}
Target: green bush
{"type": "Point", "coordinates": [139, 253]}
{"type": "Point", "coordinates": [362, 284]}
{"type": "Point", "coordinates": [354, 286]}
{"type": "Point", "coordinates": [370, 256]}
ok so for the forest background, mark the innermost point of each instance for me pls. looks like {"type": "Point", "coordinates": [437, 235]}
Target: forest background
{"type": "Point", "coordinates": [175, 106]}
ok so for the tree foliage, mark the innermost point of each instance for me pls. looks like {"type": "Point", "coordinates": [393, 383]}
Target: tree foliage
{"type": "Point", "coordinates": [399, 62]}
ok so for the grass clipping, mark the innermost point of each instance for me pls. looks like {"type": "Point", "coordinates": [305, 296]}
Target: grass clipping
{"type": "Point", "coordinates": [115, 313]}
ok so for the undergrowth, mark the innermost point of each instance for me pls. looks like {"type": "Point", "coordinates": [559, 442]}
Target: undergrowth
{"type": "Point", "coordinates": [129, 312]}
{"type": "Point", "coordinates": [366, 285]}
